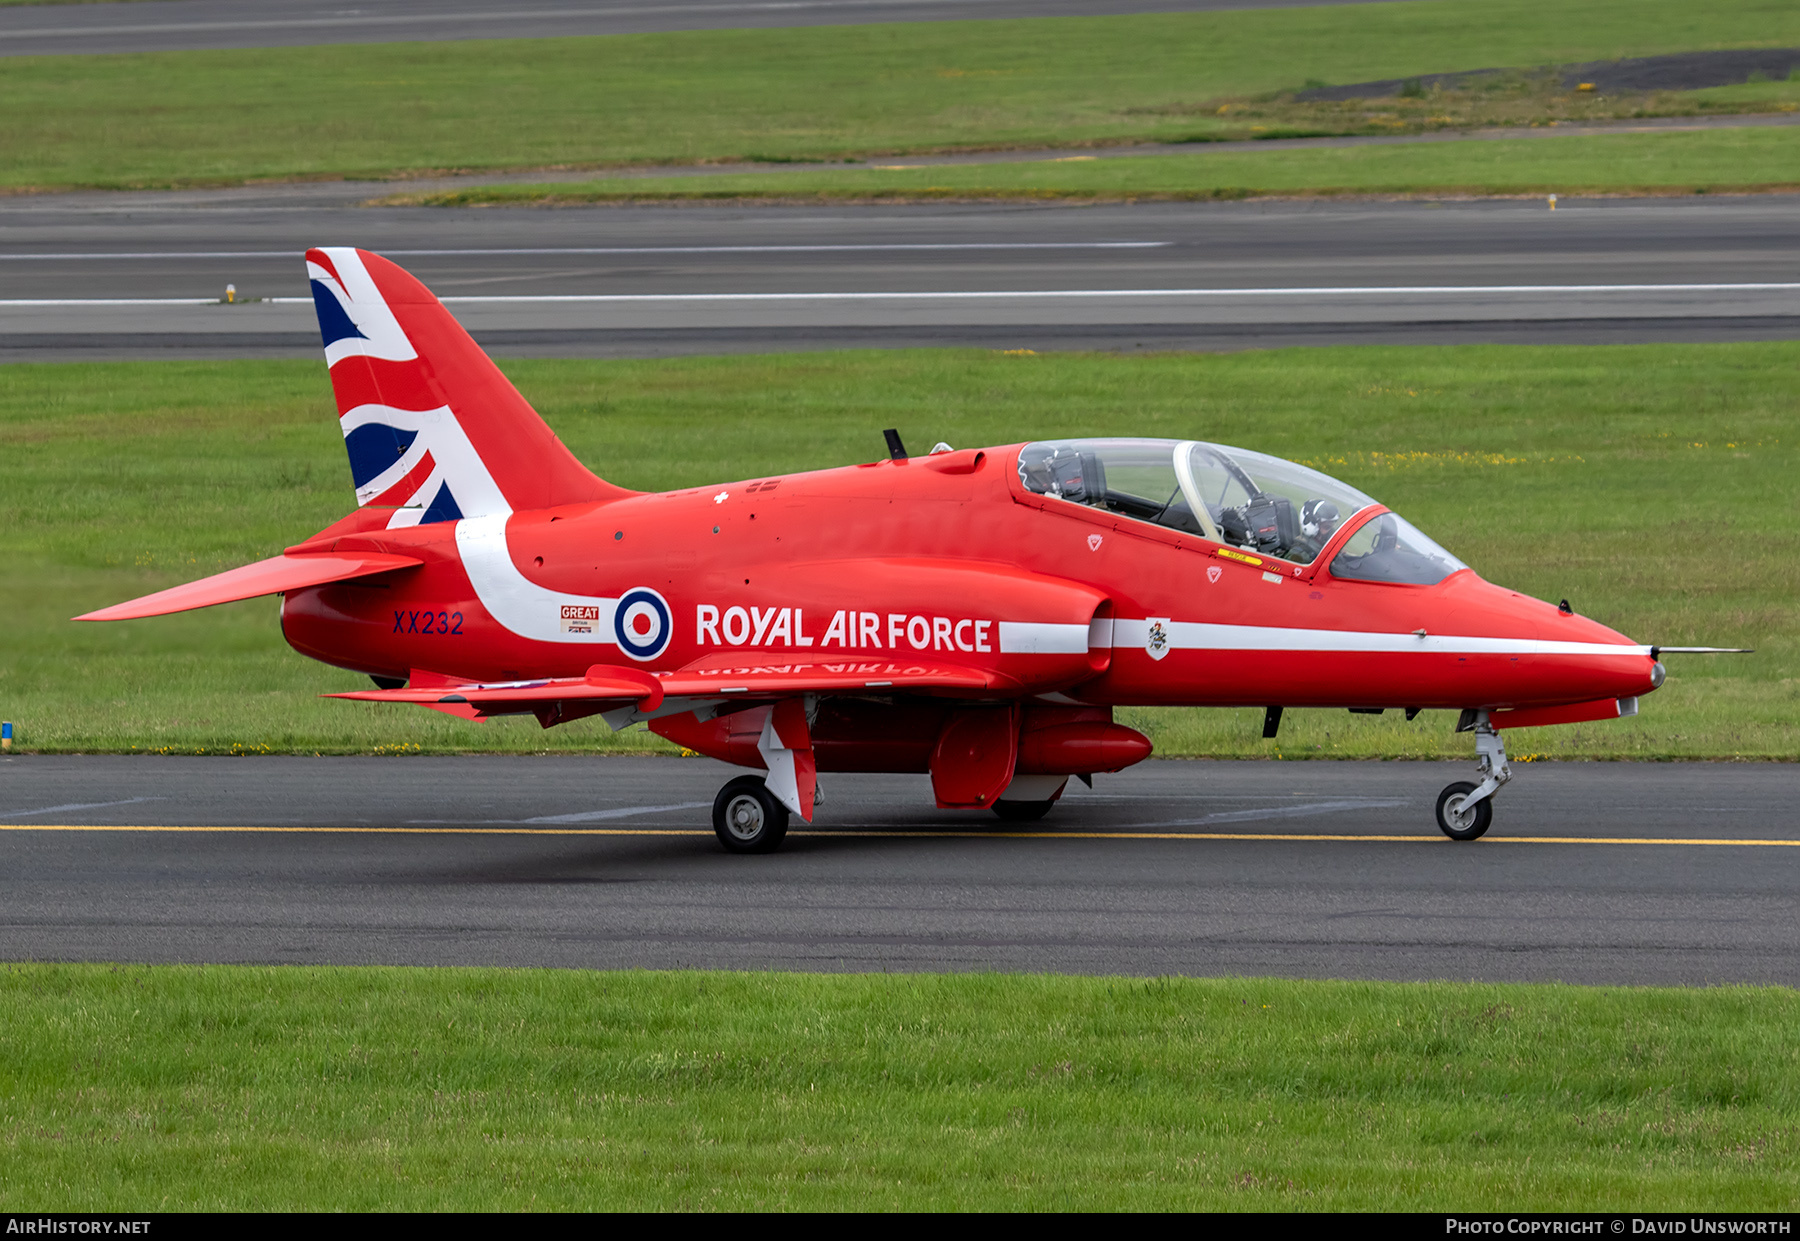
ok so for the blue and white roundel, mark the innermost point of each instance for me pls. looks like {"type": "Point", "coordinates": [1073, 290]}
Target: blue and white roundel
{"type": "Point", "coordinates": [641, 623]}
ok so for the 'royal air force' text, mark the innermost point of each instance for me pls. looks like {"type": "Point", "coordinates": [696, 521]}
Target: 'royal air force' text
{"type": "Point", "coordinates": [874, 631]}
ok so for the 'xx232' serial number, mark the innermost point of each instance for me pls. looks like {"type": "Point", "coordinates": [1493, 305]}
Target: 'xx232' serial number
{"type": "Point", "coordinates": [449, 623]}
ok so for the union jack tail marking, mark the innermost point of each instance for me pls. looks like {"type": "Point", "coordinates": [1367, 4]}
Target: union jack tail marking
{"type": "Point", "coordinates": [433, 429]}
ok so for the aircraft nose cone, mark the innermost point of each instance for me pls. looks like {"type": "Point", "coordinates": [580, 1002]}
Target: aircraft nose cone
{"type": "Point", "coordinates": [1571, 657]}
{"type": "Point", "coordinates": [1613, 666]}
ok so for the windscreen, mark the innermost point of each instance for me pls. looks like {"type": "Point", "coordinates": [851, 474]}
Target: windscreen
{"type": "Point", "coordinates": [1388, 548]}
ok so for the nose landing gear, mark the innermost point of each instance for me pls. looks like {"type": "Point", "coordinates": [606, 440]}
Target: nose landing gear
{"type": "Point", "coordinates": [1465, 810]}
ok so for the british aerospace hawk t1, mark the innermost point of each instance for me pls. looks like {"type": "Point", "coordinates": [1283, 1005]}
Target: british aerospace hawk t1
{"type": "Point", "coordinates": [974, 614]}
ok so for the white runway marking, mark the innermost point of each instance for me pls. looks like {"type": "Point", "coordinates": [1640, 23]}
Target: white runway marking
{"type": "Point", "coordinates": [91, 805]}
{"type": "Point", "coordinates": [25, 302]}
{"type": "Point", "coordinates": [556, 250]}
{"type": "Point", "coordinates": [1046, 294]}
{"type": "Point", "coordinates": [1306, 810]}
{"type": "Point", "coordinates": [543, 299]}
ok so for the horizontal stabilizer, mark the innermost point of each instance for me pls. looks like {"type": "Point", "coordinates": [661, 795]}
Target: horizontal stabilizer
{"type": "Point", "coordinates": [266, 577]}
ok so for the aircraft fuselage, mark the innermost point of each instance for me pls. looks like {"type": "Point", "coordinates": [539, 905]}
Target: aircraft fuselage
{"type": "Point", "coordinates": [895, 561]}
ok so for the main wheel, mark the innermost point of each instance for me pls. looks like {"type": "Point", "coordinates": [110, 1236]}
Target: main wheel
{"type": "Point", "coordinates": [747, 818]}
{"type": "Point", "coordinates": [1022, 811]}
{"type": "Point", "coordinates": [1459, 823]}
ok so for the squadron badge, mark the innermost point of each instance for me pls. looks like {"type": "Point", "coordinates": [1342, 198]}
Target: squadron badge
{"type": "Point", "coordinates": [1156, 642]}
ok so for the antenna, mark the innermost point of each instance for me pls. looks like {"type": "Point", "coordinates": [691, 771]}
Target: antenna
{"type": "Point", "coordinates": [896, 450]}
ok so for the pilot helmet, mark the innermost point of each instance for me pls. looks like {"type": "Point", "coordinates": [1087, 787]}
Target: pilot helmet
{"type": "Point", "coordinates": [1319, 519]}
{"type": "Point", "coordinates": [1037, 468]}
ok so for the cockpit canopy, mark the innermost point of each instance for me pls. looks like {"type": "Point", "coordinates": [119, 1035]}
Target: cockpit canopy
{"type": "Point", "coordinates": [1237, 498]}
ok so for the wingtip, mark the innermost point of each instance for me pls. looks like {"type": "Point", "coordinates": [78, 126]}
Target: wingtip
{"type": "Point", "coordinates": [118, 611]}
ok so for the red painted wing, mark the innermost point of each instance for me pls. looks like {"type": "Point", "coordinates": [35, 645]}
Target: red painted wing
{"type": "Point", "coordinates": [733, 675]}
{"type": "Point", "coordinates": [557, 699]}
{"type": "Point", "coordinates": [265, 577]}
{"type": "Point", "coordinates": [602, 688]}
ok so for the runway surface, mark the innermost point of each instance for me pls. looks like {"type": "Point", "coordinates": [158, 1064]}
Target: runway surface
{"type": "Point", "coordinates": [717, 279]}
{"type": "Point", "coordinates": [1593, 873]}
{"type": "Point", "coordinates": [170, 25]}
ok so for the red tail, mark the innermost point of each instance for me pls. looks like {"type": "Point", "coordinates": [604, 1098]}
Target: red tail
{"type": "Point", "coordinates": [432, 426]}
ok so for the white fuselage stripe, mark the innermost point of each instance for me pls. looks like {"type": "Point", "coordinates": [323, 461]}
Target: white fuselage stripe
{"type": "Point", "coordinates": [512, 599]}
{"type": "Point", "coordinates": [1201, 636]}
{"type": "Point", "coordinates": [1032, 638]}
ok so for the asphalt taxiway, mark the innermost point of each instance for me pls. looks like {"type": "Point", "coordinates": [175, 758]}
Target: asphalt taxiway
{"type": "Point", "coordinates": [178, 25]}
{"type": "Point", "coordinates": [1593, 873]}
{"type": "Point", "coordinates": [133, 275]}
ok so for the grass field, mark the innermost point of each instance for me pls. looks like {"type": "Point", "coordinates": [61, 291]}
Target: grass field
{"type": "Point", "coordinates": [133, 1088]}
{"type": "Point", "coordinates": [1697, 162]}
{"type": "Point", "coordinates": [824, 92]}
{"type": "Point", "coordinates": [1654, 486]}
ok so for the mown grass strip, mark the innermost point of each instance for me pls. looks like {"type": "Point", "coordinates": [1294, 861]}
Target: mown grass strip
{"type": "Point", "coordinates": [177, 1088]}
{"type": "Point", "coordinates": [1650, 485]}
{"type": "Point", "coordinates": [222, 117]}
{"type": "Point", "coordinates": [1709, 161]}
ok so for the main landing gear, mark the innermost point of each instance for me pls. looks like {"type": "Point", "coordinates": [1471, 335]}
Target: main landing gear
{"type": "Point", "coordinates": [1029, 797]}
{"type": "Point", "coordinates": [1464, 810]}
{"type": "Point", "coordinates": [747, 818]}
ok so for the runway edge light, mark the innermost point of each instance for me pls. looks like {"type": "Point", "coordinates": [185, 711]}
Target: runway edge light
{"type": "Point", "coordinates": [6, 735]}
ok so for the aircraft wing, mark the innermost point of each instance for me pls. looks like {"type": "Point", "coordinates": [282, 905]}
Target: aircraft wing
{"type": "Point", "coordinates": [265, 577]}
{"type": "Point", "coordinates": [555, 700]}
{"type": "Point", "coordinates": [732, 675]}
{"type": "Point", "coordinates": [551, 699]}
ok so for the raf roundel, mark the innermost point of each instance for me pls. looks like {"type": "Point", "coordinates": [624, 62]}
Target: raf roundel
{"type": "Point", "coordinates": [641, 623]}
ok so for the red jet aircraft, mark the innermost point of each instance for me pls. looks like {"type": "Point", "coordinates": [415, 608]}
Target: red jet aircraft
{"type": "Point", "coordinates": [976, 615]}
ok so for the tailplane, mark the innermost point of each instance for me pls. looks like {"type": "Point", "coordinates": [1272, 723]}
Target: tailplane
{"type": "Point", "coordinates": [433, 429]}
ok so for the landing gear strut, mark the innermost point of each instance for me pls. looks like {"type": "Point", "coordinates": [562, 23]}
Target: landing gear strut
{"type": "Point", "coordinates": [1464, 810]}
{"type": "Point", "coordinates": [747, 818]}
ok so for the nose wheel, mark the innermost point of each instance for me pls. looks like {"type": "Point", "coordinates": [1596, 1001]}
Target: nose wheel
{"type": "Point", "coordinates": [1458, 817]}
{"type": "Point", "coordinates": [747, 818]}
{"type": "Point", "coordinates": [1465, 810]}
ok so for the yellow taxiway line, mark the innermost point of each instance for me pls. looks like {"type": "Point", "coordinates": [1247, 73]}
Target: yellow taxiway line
{"type": "Point", "coordinates": [1344, 837]}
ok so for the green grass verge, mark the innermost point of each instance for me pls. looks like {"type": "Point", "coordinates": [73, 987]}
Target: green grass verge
{"type": "Point", "coordinates": [1654, 486]}
{"type": "Point", "coordinates": [823, 92]}
{"type": "Point", "coordinates": [1732, 160]}
{"type": "Point", "coordinates": [131, 1088]}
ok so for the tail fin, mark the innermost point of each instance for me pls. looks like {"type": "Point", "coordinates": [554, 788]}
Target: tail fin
{"type": "Point", "coordinates": [432, 426]}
